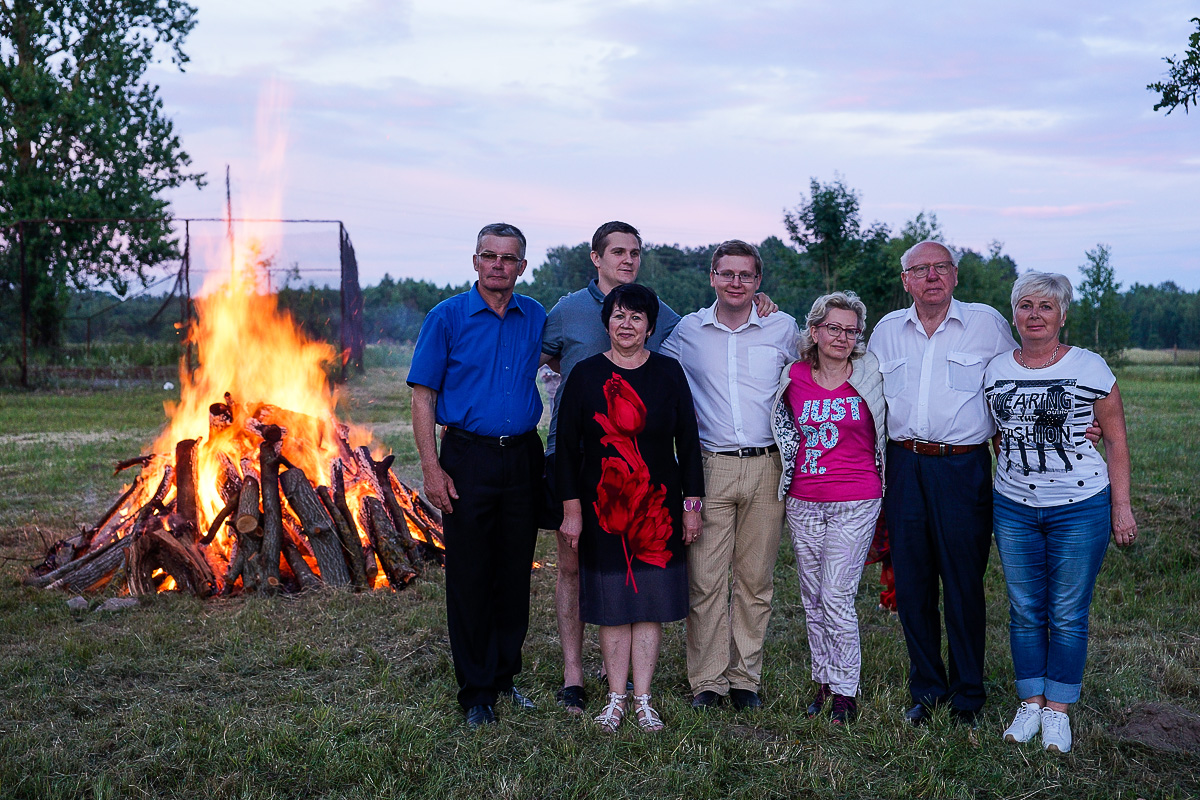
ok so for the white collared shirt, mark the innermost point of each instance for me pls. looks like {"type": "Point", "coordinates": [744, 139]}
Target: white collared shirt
{"type": "Point", "coordinates": [733, 374]}
{"type": "Point", "coordinates": [934, 384]}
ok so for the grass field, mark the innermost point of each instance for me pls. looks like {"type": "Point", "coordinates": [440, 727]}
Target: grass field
{"type": "Point", "coordinates": [334, 694]}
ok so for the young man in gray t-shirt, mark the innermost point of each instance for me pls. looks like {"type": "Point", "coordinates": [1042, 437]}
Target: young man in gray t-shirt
{"type": "Point", "coordinates": [574, 332]}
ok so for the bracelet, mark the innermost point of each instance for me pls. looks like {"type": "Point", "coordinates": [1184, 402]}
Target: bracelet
{"type": "Point", "coordinates": [693, 505]}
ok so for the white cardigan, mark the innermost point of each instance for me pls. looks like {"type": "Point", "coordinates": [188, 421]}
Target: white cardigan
{"type": "Point", "coordinates": [866, 380]}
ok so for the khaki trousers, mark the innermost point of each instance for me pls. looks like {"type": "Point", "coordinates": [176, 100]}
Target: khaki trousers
{"type": "Point", "coordinates": [743, 522]}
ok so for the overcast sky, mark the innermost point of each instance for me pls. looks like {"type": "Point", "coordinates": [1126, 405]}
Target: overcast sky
{"type": "Point", "coordinates": [417, 122]}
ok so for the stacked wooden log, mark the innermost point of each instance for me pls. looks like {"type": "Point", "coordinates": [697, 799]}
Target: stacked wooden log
{"type": "Point", "coordinates": [282, 532]}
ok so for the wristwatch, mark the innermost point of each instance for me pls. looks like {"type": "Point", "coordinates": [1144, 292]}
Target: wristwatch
{"type": "Point", "coordinates": [693, 505]}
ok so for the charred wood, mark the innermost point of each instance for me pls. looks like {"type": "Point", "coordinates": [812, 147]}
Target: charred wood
{"type": "Point", "coordinates": [187, 504]}
{"type": "Point", "coordinates": [318, 527]}
{"type": "Point", "coordinates": [247, 564]}
{"type": "Point", "coordinates": [348, 535]}
{"type": "Point", "coordinates": [157, 549]}
{"type": "Point", "coordinates": [338, 481]}
{"type": "Point", "coordinates": [226, 512]}
{"type": "Point", "coordinates": [305, 577]}
{"type": "Point", "coordinates": [250, 467]}
{"type": "Point", "coordinates": [248, 516]}
{"type": "Point", "coordinates": [230, 481]}
{"type": "Point", "coordinates": [108, 556]}
{"type": "Point", "coordinates": [90, 536]}
{"type": "Point", "coordinates": [345, 453]}
{"type": "Point", "coordinates": [137, 461]}
{"type": "Point", "coordinates": [272, 508]}
{"type": "Point", "coordinates": [396, 566]}
{"type": "Point", "coordinates": [382, 470]}
{"type": "Point", "coordinates": [220, 417]}
{"type": "Point", "coordinates": [270, 433]}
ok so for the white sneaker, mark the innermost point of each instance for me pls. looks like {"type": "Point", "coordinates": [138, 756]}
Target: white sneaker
{"type": "Point", "coordinates": [1025, 724]}
{"type": "Point", "coordinates": [1056, 731]}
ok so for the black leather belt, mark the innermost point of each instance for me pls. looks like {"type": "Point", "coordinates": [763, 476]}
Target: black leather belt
{"type": "Point", "coordinates": [749, 452]}
{"type": "Point", "coordinates": [494, 441]}
{"type": "Point", "coordinates": [924, 448]}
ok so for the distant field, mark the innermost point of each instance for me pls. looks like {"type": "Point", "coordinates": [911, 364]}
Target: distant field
{"type": "Point", "coordinates": [332, 694]}
{"type": "Point", "coordinates": [1183, 358]}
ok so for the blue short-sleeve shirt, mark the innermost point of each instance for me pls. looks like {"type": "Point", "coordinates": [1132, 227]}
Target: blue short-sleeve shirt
{"type": "Point", "coordinates": [482, 366]}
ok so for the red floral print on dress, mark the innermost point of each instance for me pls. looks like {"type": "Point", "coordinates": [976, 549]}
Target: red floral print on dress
{"type": "Point", "coordinates": [627, 505]}
{"type": "Point", "coordinates": [626, 418]}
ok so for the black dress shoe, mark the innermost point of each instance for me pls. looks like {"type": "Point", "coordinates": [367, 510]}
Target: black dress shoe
{"type": "Point", "coordinates": [745, 699]}
{"type": "Point", "coordinates": [706, 699]}
{"type": "Point", "coordinates": [918, 715]}
{"type": "Point", "coordinates": [478, 716]}
{"type": "Point", "coordinates": [518, 700]}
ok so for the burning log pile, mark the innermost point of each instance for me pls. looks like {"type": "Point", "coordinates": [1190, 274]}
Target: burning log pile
{"type": "Point", "coordinates": [276, 528]}
{"type": "Point", "coordinates": [263, 491]}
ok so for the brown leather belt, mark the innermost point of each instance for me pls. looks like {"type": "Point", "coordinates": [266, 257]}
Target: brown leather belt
{"type": "Point", "coordinates": [924, 448]}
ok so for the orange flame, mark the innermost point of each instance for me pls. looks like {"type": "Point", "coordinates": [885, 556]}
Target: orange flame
{"type": "Point", "coordinates": [256, 361]}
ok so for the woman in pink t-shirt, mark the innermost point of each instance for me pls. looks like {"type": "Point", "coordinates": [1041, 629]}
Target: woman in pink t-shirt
{"type": "Point", "coordinates": [828, 421]}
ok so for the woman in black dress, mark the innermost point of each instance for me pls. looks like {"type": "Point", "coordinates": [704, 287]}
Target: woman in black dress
{"type": "Point", "coordinates": [630, 506]}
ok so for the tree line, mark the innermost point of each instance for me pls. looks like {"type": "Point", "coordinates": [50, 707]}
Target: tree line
{"type": "Point", "coordinates": [844, 254]}
{"type": "Point", "coordinates": [83, 136]}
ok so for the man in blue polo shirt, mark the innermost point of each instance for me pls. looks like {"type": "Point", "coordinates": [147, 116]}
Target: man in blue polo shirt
{"type": "Point", "coordinates": [473, 371]}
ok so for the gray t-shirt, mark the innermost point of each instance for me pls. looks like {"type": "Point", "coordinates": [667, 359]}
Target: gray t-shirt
{"type": "Point", "coordinates": [574, 332]}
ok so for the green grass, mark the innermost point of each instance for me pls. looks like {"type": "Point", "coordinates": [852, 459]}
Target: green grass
{"type": "Point", "coordinates": [342, 695]}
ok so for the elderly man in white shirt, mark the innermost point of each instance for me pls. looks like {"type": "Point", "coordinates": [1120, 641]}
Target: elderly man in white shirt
{"type": "Point", "coordinates": [732, 358]}
{"type": "Point", "coordinates": [939, 492]}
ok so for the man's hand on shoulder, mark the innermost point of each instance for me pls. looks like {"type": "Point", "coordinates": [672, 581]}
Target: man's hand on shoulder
{"type": "Point", "coordinates": [764, 305]}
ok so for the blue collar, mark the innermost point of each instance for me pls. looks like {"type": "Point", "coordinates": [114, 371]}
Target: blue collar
{"type": "Point", "coordinates": [476, 303]}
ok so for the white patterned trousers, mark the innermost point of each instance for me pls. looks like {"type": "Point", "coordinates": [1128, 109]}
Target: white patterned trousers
{"type": "Point", "coordinates": [831, 542]}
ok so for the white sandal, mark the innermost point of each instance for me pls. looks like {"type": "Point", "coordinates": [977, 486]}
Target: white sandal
{"type": "Point", "coordinates": [648, 719]}
{"type": "Point", "coordinates": [614, 711]}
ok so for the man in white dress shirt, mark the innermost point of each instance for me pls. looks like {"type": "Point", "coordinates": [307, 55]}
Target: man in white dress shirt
{"type": "Point", "coordinates": [733, 358]}
{"type": "Point", "coordinates": [938, 502]}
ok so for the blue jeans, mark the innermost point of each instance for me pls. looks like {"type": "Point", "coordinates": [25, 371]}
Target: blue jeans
{"type": "Point", "coordinates": [1051, 557]}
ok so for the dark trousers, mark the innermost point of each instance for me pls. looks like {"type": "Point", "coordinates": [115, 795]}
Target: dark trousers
{"type": "Point", "coordinates": [489, 555]}
{"type": "Point", "coordinates": [939, 515]}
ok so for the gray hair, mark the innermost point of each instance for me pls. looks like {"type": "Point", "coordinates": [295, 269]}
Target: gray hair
{"type": "Point", "coordinates": [1043, 284]}
{"type": "Point", "coordinates": [847, 301]}
{"type": "Point", "coordinates": [907, 257]}
{"type": "Point", "coordinates": [504, 231]}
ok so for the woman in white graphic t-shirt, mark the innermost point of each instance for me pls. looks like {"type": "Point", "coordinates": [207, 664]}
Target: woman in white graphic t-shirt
{"type": "Point", "coordinates": [1056, 501]}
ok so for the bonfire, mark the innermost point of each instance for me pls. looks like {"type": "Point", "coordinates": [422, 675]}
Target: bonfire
{"type": "Point", "coordinates": [254, 485]}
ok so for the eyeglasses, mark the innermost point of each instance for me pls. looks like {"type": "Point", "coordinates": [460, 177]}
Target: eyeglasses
{"type": "Point", "coordinates": [507, 259]}
{"type": "Point", "coordinates": [922, 270]}
{"type": "Point", "coordinates": [837, 331]}
{"type": "Point", "coordinates": [728, 277]}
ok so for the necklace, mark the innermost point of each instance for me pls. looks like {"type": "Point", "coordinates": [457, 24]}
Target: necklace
{"type": "Point", "coordinates": [825, 379]}
{"type": "Point", "coordinates": [1049, 361]}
